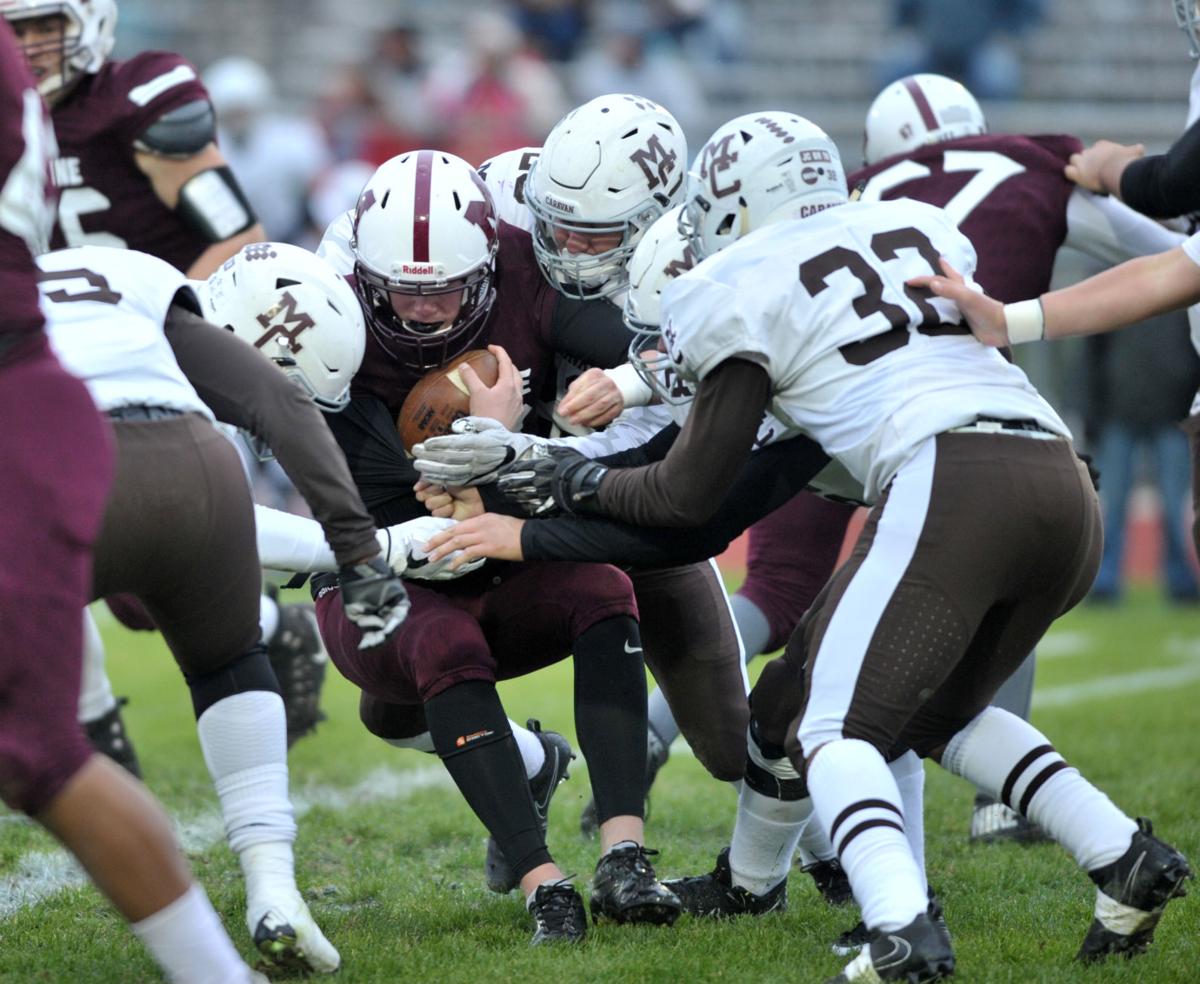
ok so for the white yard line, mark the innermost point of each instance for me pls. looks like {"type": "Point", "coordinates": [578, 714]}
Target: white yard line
{"type": "Point", "coordinates": [42, 874]}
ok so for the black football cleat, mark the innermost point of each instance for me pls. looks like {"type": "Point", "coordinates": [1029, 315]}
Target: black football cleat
{"type": "Point", "coordinates": [558, 914]}
{"type": "Point", "coordinates": [857, 936]}
{"type": "Point", "coordinates": [917, 954]}
{"type": "Point", "coordinates": [497, 871]}
{"type": "Point", "coordinates": [657, 753]}
{"type": "Point", "coordinates": [1131, 894]}
{"type": "Point", "coordinates": [831, 881]}
{"type": "Point", "coordinates": [107, 736]}
{"type": "Point", "coordinates": [626, 890]}
{"type": "Point", "coordinates": [299, 660]}
{"type": "Point", "coordinates": [714, 896]}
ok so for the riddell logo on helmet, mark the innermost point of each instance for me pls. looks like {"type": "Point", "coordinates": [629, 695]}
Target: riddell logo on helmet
{"type": "Point", "coordinates": [419, 269]}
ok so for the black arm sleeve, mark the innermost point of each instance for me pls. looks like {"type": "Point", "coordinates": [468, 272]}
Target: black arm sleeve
{"type": "Point", "coordinates": [770, 478]}
{"type": "Point", "coordinates": [591, 332]}
{"type": "Point", "coordinates": [382, 471]}
{"type": "Point", "coordinates": [243, 388]}
{"type": "Point", "coordinates": [686, 487]}
{"type": "Point", "coordinates": [1165, 185]}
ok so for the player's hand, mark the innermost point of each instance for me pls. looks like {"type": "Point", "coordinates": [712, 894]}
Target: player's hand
{"type": "Point", "coordinates": [406, 549]}
{"type": "Point", "coordinates": [1099, 167]}
{"type": "Point", "coordinates": [564, 480]}
{"type": "Point", "coordinates": [984, 316]}
{"type": "Point", "coordinates": [472, 454]}
{"type": "Point", "coordinates": [374, 599]}
{"type": "Point", "coordinates": [448, 501]}
{"type": "Point", "coordinates": [503, 401]}
{"type": "Point", "coordinates": [592, 400]}
{"type": "Point", "coordinates": [489, 535]}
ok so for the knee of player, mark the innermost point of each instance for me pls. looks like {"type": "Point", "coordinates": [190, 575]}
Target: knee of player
{"type": "Point", "coordinates": [595, 592]}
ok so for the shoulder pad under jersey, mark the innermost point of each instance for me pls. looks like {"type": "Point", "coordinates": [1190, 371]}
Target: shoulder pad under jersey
{"type": "Point", "coordinates": [181, 132]}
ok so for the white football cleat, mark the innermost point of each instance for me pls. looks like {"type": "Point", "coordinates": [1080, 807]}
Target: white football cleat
{"type": "Point", "coordinates": [287, 936]}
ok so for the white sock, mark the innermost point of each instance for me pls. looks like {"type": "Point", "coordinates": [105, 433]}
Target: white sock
{"type": "Point", "coordinates": [1012, 761]}
{"type": "Point", "coordinates": [268, 616]}
{"type": "Point", "coordinates": [909, 772]}
{"type": "Point", "coordinates": [95, 692]}
{"type": "Point", "coordinates": [533, 752]}
{"type": "Point", "coordinates": [857, 801]}
{"type": "Point", "coordinates": [189, 943]}
{"type": "Point", "coordinates": [814, 842]}
{"type": "Point", "coordinates": [764, 839]}
{"type": "Point", "coordinates": [660, 718]}
{"type": "Point", "coordinates": [270, 873]}
{"type": "Point", "coordinates": [244, 740]}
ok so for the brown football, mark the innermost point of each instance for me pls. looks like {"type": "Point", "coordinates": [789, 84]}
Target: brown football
{"type": "Point", "coordinates": [440, 397]}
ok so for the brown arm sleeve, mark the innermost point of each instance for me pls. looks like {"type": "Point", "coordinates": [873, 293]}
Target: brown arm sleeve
{"type": "Point", "coordinates": [243, 388]}
{"type": "Point", "coordinates": [687, 486]}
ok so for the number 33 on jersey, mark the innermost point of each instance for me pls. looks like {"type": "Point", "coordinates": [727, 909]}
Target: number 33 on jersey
{"type": "Point", "coordinates": [865, 364]}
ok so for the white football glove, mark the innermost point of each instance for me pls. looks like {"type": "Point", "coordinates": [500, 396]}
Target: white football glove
{"type": "Point", "coordinates": [403, 548]}
{"type": "Point", "coordinates": [472, 455]}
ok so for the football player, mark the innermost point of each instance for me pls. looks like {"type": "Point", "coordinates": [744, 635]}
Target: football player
{"type": "Point", "coordinates": [910, 639]}
{"type": "Point", "coordinates": [112, 825]}
{"type": "Point", "coordinates": [128, 324]}
{"type": "Point", "coordinates": [138, 167]}
{"type": "Point", "coordinates": [606, 172]}
{"type": "Point", "coordinates": [438, 275]}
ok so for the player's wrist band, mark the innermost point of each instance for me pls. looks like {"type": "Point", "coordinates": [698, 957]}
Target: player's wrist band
{"type": "Point", "coordinates": [1025, 321]}
{"type": "Point", "coordinates": [634, 390]}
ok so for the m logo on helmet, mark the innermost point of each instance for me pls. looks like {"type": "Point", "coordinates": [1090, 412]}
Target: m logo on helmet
{"type": "Point", "coordinates": [655, 160]}
{"type": "Point", "coordinates": [681, 265]}
{"type": "Point", "coordinates": [717, 157]}
{"type": "Point", "coordinates": [292, 324]}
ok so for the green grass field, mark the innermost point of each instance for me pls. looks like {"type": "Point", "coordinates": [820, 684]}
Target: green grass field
{"type": "Point", "coordinates": [390, 858]}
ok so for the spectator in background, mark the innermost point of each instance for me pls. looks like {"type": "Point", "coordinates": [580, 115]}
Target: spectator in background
{"type": "Point", "coordinates": [630, 57]}
{"type": "Point", "coordinates": [274, 156]}
{"type": "Point", "coordinates": [707, 30]}
{"type": "Point", "coordinates": [1141, 385]}
{"type": "Point", "coordinates": [398, 78]}
{"type": "Point", "coordinates": [972, 42]}
{"type": "Point", "coordinates": [496, 95]}
{"type": "Point", "coordinates": [556, 27]}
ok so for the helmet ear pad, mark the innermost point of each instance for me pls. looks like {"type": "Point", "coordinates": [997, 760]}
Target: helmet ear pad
{"type": "Point", "coordinates": [425, 225]}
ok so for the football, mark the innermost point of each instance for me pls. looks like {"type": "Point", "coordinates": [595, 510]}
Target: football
{"type": "Point", "coordinates": [441, 397]}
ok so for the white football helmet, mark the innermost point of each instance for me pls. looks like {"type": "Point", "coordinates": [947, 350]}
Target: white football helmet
{"type": "Point", "coordinates": [663, 254]}
{"type": "Point", "coordinates": [425, 224]}
{"type": "Point", "coordinates": [607, 169]}
{"type": "Point", "coordinates": [88, 37]}
{"type": "Point", "coordinates": [918, 110]}
{"type": "Point", "coordinates": [757, 169]}
{"type": "Point", "coordinates": [295, 308]}
{"type": "Point", "coordinates": [1187, 16]}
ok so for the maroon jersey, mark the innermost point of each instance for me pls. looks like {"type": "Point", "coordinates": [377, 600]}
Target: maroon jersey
{"type": "Point", "coordinates": [104, 199]}
{"type": "Point", "coordinates": [519, 321]}
{"type": "Point", "coordinates": [1006, 193]}
{"type": "Point", "coordinates": [23, 185]}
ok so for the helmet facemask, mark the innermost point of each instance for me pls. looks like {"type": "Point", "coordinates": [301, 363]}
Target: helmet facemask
{"type": "Point", "coordinates": [426, 345]}
{"type": "Point", "coordinates": [1187, 16]}
{"type": "Point", "coordinates": [83, 40]}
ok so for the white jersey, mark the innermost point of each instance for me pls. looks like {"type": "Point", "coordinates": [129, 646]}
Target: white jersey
{"type": "Point", "coordinates": [865, 366]}
{"type": "Point", "coordinates": [105, 308]}
{"type": "Point", "coordinates": [334, 247]}
{"type": "Point", "coordinates": [505, 176]}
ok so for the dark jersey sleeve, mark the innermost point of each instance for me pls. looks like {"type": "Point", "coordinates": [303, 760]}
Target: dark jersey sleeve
{"type": "Point", "coordinates": [1165, 185]}
{"type": "Point", "coordinates": [366, 433]}
{"type": "Point", "coordinates": [591, 332]}
{"type": "Point", "coordinates": [686, 487]}
{"type": "Point", "coordinates": [242, 388]}
{"type": "Point", "coordinates": [770, 478]}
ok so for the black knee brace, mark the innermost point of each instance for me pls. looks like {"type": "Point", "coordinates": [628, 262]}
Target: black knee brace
{"type": "Point", "coordinates": [767, 783]}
